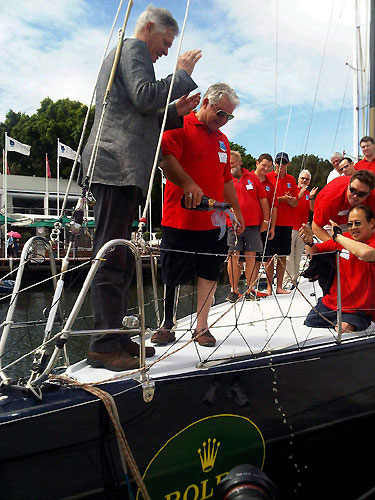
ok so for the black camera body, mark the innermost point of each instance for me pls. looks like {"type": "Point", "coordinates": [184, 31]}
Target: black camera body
{"type": "Point", "coordinates": [246, 482]}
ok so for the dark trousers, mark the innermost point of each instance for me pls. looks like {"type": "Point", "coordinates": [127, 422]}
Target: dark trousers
{"type": "Point", "coordinates": [114, 212]}
{"type": "Point", "coordinates": [359, 320]}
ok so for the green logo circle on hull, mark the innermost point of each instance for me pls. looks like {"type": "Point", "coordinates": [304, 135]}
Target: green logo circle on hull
{"type": "Point", "coordinates": [197, 458]}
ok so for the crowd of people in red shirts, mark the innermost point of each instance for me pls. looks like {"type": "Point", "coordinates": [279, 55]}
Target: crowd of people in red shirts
{"type": "Point", "coordinates": [342, 217]}
{"type": "Point", "coordinates": [273, 210]}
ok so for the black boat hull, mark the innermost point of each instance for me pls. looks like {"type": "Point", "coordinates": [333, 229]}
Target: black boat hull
{"type": "Point", "coordinates": [307, 417]}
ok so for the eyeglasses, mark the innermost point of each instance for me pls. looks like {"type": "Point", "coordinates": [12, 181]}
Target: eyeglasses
{"type": "Point", "coordinates": [360, 194]}
{"type": "Point", "coordinates": [355, 223]}
{"type": "Point", "coordinates": [223, 114]}
{"type": "Point", "coordinates": [282, 161]}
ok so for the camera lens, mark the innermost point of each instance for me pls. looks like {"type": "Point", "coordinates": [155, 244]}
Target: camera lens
{"type": "Point", "coordinates": [246, 482]}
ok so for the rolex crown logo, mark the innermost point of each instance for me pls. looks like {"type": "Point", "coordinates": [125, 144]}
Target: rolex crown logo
{"type": "Point", "coordinates": [208, 455]}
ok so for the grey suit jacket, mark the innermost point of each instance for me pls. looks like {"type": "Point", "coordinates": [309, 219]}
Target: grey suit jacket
{"type": "Point", "coordinates": [132, 120]}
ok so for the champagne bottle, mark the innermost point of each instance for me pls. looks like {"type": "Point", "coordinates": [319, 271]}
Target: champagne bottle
{"type": "Point", "coordinates": [207, 204]}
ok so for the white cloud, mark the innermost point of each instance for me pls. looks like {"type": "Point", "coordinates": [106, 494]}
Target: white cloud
{"type": "Point", "coordinates": [48, 52]}
{"type": "Point", "coordinates": [55, 49]}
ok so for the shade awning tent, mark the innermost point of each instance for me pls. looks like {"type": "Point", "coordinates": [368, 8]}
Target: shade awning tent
{"type": "Point", "coordinates": [51, 223]}
{"type": "Point", "coordinates": [46, 222]}
{"type": "Point", "coordinates": [9, 219]}
{"type": "Point", "coordinates": [25, 222]}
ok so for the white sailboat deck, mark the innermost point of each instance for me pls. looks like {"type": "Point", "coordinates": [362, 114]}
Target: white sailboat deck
{"type": "Point", "coordinates": [240, 329]}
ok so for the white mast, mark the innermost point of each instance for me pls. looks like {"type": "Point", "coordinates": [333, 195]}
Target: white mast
{"type": "Point", "coordinates": [5, 194]}
{"type": "Point", "coordinates": [355, 86]}
{"type": "Point", "coordinates": [46, 196]}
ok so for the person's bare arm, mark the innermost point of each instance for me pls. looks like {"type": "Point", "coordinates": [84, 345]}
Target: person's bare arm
{"type": "Point", "coordinates": [288, 198]}
{"type": "Point", "coordinates": [187, 103]}
{"type": "Point", "coordinates": [174, 172]}
{"type": "Point", "coordinates": [357, 248]}
{"type": "Point", "coordinates": [320, 233]}
{"type": "Point", "coordinates": [313, 193]}
{"type": "Point", "coordinates": [273, 224]}
{"type": "Point", "coordinates": [307, 235]}
{"type": "Point", "coordinates": [188, 60]}
{"type": "Point", "coordinates": [266, 214]}
{"type": "Point", "coordinates": [230, 196]}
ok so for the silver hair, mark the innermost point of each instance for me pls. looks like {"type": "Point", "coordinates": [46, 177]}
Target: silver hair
{"type": "Point", "coordinates": [161, 18]}
{"type": "Point", "coordinates": [218, 90]}
{"type": "Point", "coordinates": [336, 155]}
{"type": "Point", "coordinates": [306, 172]}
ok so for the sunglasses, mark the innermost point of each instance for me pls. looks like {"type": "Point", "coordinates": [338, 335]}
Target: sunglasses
{"type": "Point", "coordinates": [360, 194]}
{"type": "Point", "coordinates": [223, 114]}
{"type": "Point", "coordinates": [355, 223]}
{"type": "Point", "coordinates": [283, 161]}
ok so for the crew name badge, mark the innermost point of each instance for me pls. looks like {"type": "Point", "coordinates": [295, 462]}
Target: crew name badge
{"type": "Point", "coordinates": [222, 145]}
{"type": "Point", "coordinates": [307, 196]}
{"type": "Point", "coordinates": [344, 254]}
{"type": "Point", "coordinates": [249, 185]}
{"type": "Point", "coordinates": [267, 188]}
{"type": "Point", "coordinates": [223, 157]}
{"type": "Point", "coordinates": [289, 185]}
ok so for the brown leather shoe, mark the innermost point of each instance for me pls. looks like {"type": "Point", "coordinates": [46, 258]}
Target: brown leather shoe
{"type": "Point", "coordinates": [206, 339]}
{"type": "Point", "coordinates": [118, 361]}
{"type": "Point", "coordinates": [163, 336]}
{"type": "Point", "coordinates": [132, 348]}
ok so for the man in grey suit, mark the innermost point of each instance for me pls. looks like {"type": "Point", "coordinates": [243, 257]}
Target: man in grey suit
{"type": "Point", "coordinates": [123, 165]}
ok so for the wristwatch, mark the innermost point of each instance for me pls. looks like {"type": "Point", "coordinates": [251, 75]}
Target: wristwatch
{"type": "Point", "coordinates": [309, 244]}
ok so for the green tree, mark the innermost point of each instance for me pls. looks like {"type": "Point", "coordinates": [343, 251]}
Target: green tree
{"type": "Point", "coordinates": [62, 119]}
{"type": "Point", "coordinates": [318, 168]}
{"type": "Point", "coordinates": [248, 161]}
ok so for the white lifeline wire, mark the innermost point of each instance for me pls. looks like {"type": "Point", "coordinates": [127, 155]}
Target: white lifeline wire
{"type": "Point", "coordinates": [276, 73]}
{"type": "Point", "coordinates": [156, 158]}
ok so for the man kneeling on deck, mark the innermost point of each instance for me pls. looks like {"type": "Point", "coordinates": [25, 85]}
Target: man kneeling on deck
{"type": "Point", "coordinates": [357, 272]}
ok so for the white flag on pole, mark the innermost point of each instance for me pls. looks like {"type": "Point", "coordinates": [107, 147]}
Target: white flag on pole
{"type": "Point", "coordinates": [18, 147]}
{"type": "Point", "coordinates": [67, 152]}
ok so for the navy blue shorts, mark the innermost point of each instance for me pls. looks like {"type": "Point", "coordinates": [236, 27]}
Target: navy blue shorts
{"type": "Point", "coordinates": [205, 258]}
{"type": "Point", "coordinates": [359, 320]}
{"type": "Point", "coordinates": [280, 245]}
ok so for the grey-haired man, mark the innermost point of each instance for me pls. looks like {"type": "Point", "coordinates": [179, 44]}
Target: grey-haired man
{"type": "Point", "coordinates": [124, 161]}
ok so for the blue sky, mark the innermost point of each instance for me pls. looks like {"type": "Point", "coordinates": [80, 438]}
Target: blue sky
{"type": "Point", "coordinates": [54, 48]}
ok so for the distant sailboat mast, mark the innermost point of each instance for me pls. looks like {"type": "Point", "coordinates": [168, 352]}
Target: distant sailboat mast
{"type": "Point", "coordinates": [372, 71]}
{"type": "Point", "coordinates": [355, 85]}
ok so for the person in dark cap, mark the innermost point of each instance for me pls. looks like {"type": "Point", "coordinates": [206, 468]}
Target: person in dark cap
{"type": "Point", "coordinates": [287, 197]}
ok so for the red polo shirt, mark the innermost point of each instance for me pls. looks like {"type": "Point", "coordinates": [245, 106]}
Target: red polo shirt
{"type": "Point", "coordinates": [249, 191]}
{"type": "Point", "coordinates": [204, 155]}
{"type": "Point", "coordinates": [270, 189]}
{"type": "Point", "coordinates": [357, 280]}
{"type": "Point", "coordinates": [302, 211]}
{"type": "Point", "coordinates": [365, 165]}
{"type": "Point", "coordinates": [285, 213]}
{"type": "Point", "coordinates": [332, 202]}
